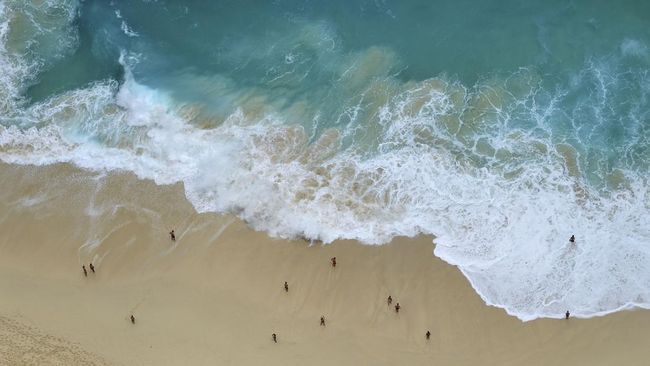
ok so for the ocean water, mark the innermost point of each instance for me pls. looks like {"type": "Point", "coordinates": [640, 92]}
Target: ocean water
{"type": "Point", "coordinates": [500, 127]}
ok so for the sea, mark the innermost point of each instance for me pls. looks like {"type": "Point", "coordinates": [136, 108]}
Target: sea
{"type": "Point", "coordinates": [498, 127]}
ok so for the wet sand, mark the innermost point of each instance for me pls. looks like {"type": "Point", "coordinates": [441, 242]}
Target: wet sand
{"type": "Point", "coordinates": [215, 296]}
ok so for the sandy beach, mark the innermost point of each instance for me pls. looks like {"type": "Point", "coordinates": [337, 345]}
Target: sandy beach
{"type": "Point", "coordinates": [215, 295]}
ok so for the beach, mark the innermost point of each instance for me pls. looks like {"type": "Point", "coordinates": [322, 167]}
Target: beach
{"type": "Point", "coordinates": [215, 295]}
{"type": "Point", "coordinates": [502, 129]}
{"type": "Point", "coordinates": [344, 182]}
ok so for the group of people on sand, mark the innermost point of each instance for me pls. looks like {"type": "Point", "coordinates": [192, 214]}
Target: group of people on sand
{"type": "Point", "coordinates": [274, 336]}
{"type": "Point", "coordinates": [172, 236]}
{"type": "Point", "coordinates": [389, 301]}
{"type": "Point", "coordinates": [92, 268]}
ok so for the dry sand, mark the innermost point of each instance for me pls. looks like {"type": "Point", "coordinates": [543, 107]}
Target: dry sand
{"type": "Point", "coordinates": [215, 296]}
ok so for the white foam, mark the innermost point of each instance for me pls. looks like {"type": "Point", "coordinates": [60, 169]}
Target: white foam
{"type": "Point", "coordinates": [128, 31]}
{"type": "Point", "coordinates": [634, 48]}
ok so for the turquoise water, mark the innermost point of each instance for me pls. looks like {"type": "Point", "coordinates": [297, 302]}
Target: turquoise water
{"type": "Point", "coordinates": [501, 127]}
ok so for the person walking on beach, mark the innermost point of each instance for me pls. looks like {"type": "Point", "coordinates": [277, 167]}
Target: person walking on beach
{"type": "Point", "coordinates": [397, 307]}
{"type": "Point", "coordinates": [428, 335]}
{"type": "Point", "coordinates": [132, 319]}
{"type": "Point", "coordinates": [275, 338]}
{"type": "Point", "coordinates": [322, 321]}
{"type": "Point", "coordinates": [286, 286]}
{"type": "Point", "coordinates": [92, 268]}
{"type": "Point", "coordinates": [389, 300]}
{"type": "Point", "coordinates": [566, 316]}
{"type": "Point", "coordinates": [85, 272]}
{"type": "Point", "coordinates": [333, 261]}
{"type": "Point", "coordinates": [572, 239]}
{"type": "Point", "coordinates": [172, 235]}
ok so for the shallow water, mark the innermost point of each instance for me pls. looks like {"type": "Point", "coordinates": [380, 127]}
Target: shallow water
{"type": "Point", "coordinates": [500, 127]}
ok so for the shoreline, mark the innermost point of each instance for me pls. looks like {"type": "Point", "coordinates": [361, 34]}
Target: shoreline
{"type": "Point", "coordinates": [216, 295]}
